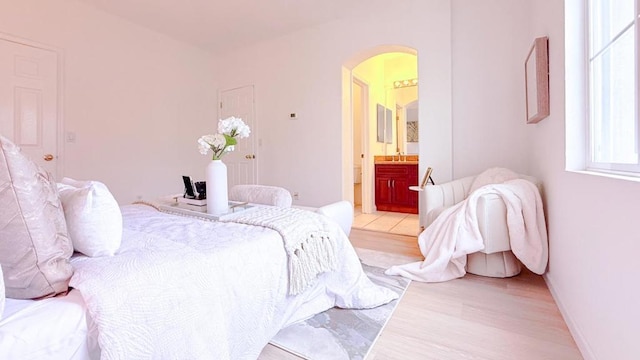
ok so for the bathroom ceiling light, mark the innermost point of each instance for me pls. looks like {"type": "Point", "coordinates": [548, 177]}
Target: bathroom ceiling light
{"type": "Point", "coordinates": [405, 83]}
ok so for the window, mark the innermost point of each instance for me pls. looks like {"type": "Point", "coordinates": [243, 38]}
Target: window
{"type": "Point", "coordinates": [613, 48]}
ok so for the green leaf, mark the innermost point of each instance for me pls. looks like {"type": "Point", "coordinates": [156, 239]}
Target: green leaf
{"type": "Point", "coordinates": [230, 140]}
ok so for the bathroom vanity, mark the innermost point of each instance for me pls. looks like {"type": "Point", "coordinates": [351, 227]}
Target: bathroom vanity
{"type": "Point", "coordinates": [392, 181]}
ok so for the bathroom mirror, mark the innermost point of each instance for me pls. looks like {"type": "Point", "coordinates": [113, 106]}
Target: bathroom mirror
{"type": "Point", "coordinates": [384, 118]}
{"type": "Point", "coordinates": [405, 124]}
{"type": "Point", "coordinates": [380, 122]}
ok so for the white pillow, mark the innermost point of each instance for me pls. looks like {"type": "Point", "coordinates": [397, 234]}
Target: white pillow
{"type": "Point", "coordinates": [34, 244]}
{"type": "Point", "coordinates": [94, 220]}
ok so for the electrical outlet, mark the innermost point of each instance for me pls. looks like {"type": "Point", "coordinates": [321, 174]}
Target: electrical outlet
{"type": "Point", "coordinates": [296, 195]}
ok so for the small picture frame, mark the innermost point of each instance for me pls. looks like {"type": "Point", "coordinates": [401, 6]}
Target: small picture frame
{"type": "Point", "coordinates": [426, 178]}
{"type": "Point", "coordinates": [536, 71]}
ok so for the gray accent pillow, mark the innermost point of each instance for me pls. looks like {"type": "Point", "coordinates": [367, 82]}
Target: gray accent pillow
{"type": "Point", "coordinates": [34, 246]}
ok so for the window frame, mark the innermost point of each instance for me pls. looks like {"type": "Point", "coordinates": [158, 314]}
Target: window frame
{"type": "Point", "coordinates": [590, 164]}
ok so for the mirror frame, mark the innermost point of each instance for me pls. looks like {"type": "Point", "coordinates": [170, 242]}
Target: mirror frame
{"type": "Point", "coordinates": [380, 109]}
{"type": "Point", "coordinates": [536, 77]}
{"type": "Point", "coordinates": [388, 129]}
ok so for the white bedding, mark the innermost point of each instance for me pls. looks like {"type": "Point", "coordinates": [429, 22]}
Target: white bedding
{"type": "Point", "coordinates": [54, 328]}
{"type": "Point", "coordinates": [191, 289]}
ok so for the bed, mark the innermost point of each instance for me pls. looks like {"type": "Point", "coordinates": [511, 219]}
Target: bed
{"type": "Point", "coordinates": [135, 282]}
{"type": "Point", "coordinates": [53, 328]}
{"type": "Point", "coordinates": [182, 287]}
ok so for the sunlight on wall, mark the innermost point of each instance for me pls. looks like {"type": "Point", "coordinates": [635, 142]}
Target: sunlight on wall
{"type": "Point", "coordinates": [380, 72]}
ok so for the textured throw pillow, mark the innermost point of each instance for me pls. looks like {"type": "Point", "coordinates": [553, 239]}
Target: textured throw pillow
{"type": "Point", "coordinates": [492, 176]}
{"type": "Point", "coordinates": [94, 220]}
{"type": "Point", "coordinates": [34, 247]}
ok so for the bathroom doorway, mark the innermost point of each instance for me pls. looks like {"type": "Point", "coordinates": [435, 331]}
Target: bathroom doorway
{"type": "Point", "coordinates": [386, 80]}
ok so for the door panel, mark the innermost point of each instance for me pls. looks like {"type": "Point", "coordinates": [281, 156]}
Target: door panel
{"type": "Point", "coordinates": [241, 163]}
{"type": "Point", "coordinates": [28, 101]}
{"type": "Point", "coordinates": [383, 191]}
{"type": "Point", "coordinates": [401, 192]}
{"type": "Point", "coordinates": [27, 116]}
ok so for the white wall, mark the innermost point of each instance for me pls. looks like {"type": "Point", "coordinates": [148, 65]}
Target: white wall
{"type": "Point", "coordinates": [593, 231]}
{"type": "Point", "coordinates": [137, 100]}
{"type": "Point", "coordinates": [490, 41]}
{"type": "Point", "coordinates": [301, 73]}
{"type": "Point", "coordinates": [593, 237]}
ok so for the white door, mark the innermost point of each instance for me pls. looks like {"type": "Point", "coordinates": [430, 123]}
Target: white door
{"type": "Point", "coordinates": [361, 103]}
{"type": "Point", "coordinates": [28, 101]}
{"type": "Point", "coordinates": [241, 163]}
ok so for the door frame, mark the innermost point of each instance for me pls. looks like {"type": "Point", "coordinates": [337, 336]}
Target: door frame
{"type": "Point", "coordinates": [60, 148]}
{"type": "Point", "coordinates": [367, 186]}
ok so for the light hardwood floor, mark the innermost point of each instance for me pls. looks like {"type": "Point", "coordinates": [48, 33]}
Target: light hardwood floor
{"type": "Point", "coordinates": [469, 318]}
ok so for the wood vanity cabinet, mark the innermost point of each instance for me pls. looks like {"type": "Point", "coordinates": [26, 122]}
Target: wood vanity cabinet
{"type": "Point", "coordinates": [392, 187]}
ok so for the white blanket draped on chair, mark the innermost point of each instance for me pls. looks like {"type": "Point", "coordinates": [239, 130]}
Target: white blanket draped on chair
{"type": "Point", "coordinates": [455, 233]}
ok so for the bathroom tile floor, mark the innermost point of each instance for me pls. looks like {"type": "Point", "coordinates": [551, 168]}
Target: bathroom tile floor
{"type": "Point", "coordinates": [384, 221]}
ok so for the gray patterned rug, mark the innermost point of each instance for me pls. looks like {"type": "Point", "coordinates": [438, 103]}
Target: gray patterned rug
{"type": "Point", "coordinates": [342, 333]}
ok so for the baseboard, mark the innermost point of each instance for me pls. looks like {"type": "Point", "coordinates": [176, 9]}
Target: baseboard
{"type": "Point", "coordinates": [581, 342]}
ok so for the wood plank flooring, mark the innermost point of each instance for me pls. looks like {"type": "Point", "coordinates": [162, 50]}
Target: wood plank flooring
{"type": "Point", "coordinates": [473, 317]}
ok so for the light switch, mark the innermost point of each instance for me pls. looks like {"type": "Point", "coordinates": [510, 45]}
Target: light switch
{"type": "Point", "coordinates": [71, 137]}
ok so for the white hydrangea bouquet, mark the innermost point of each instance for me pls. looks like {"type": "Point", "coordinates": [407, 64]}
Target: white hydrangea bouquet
{"type": "Point", "coordinates": [229, 130]}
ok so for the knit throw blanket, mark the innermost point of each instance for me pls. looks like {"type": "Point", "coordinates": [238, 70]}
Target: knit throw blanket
{"type": "Point", "coordinates": [308, 241]}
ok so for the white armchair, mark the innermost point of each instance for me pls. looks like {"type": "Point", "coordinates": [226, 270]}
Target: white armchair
{"type": "Point", "coordinates": [261, 194]}
{"type": "Point", "coordinates": [496, 260]}
{"type": "Point", "coordinates": [340, 211]}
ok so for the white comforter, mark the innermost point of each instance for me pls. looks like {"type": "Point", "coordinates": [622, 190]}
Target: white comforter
{"type": "Point", "coordinates": [455, 233]}
{"type": "Point", "coordinates": [182, 288]}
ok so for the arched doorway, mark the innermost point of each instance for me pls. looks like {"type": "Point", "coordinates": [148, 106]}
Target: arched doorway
{"type": "Point", "coordinates": [383, 77]}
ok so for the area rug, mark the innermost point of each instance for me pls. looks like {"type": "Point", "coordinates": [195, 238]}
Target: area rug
{"type": "Point", "coordinates": [344, 333]}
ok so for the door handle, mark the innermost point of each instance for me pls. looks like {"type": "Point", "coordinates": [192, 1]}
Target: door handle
{"type": "Point", "coordinates": [48, 157]}
{"type": "Point", "coordinates": [252, 156]}
{"type": "Point", "coordinates": [388, 183]}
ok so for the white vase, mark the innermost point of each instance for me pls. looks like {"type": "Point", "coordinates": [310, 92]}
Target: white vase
{"type": "Point", "coordinates": [217, 195]}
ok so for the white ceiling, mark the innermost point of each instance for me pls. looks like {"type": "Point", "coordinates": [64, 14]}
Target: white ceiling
{"type": "Point", "coordinates": [218, 25]}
